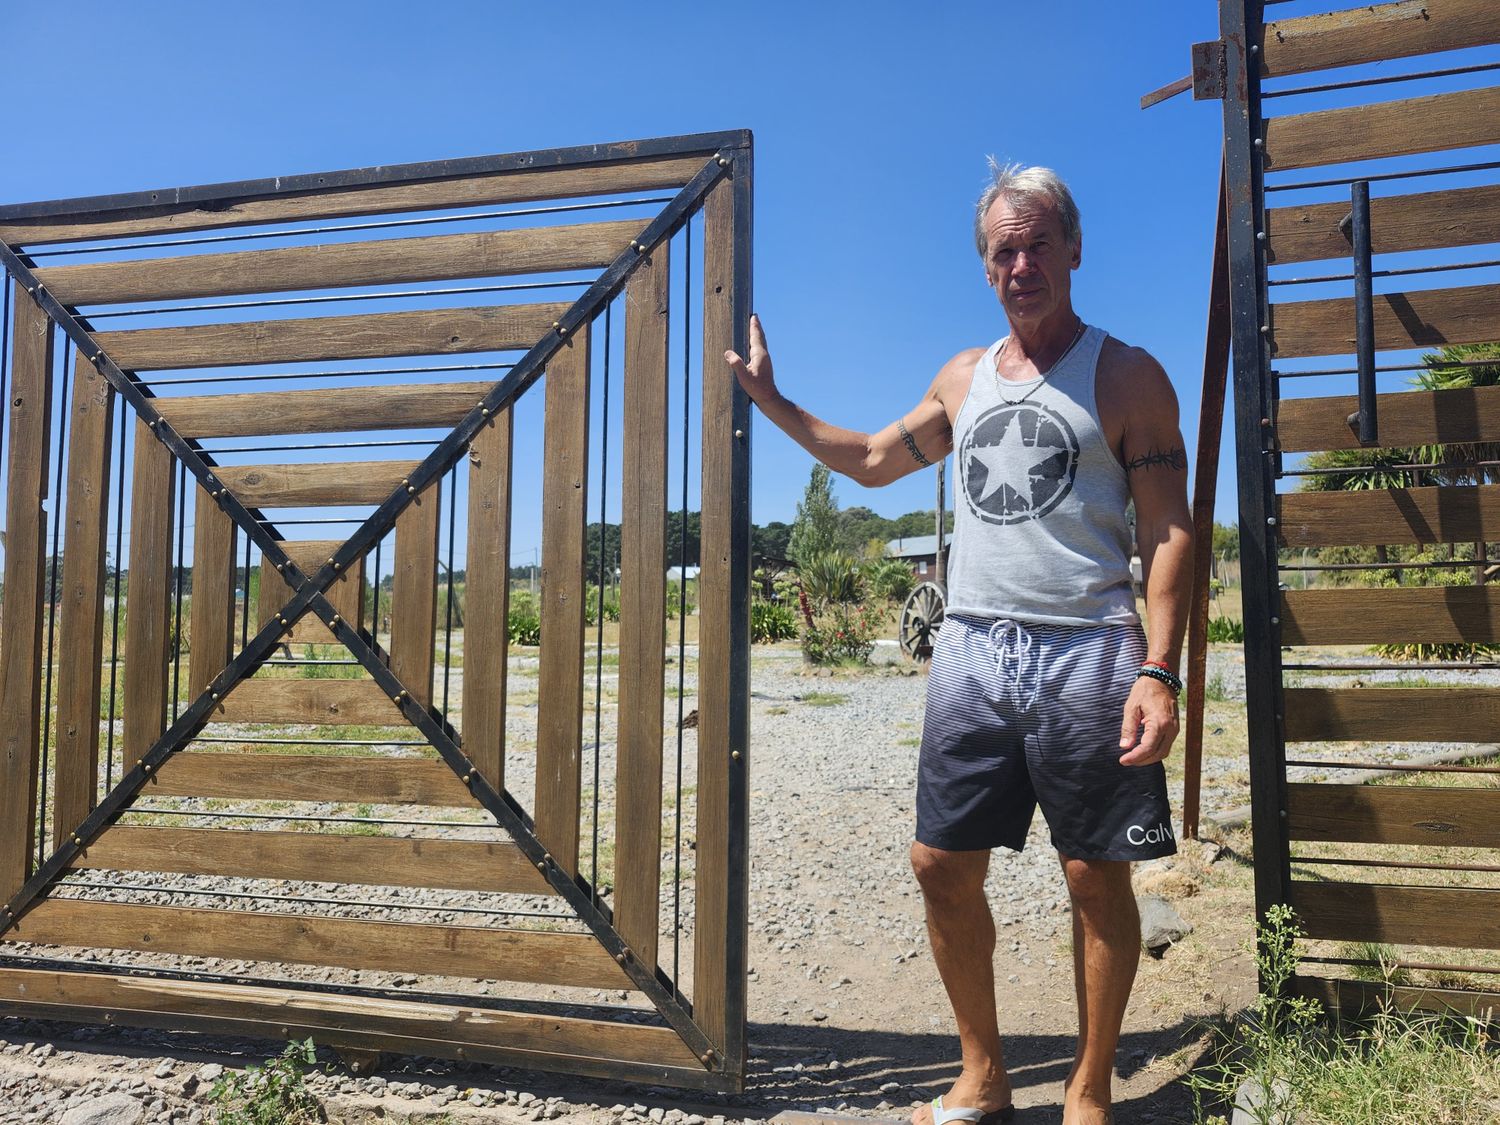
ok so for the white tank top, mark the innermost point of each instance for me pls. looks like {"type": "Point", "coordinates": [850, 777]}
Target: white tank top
{"type": "Point", "coordinates": [1039, 529]}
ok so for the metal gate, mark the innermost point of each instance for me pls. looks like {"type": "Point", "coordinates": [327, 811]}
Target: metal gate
{"type": "Point", "coordinates": [1348, 177]}
{"type": "Point", "coordinates": [263, 715]}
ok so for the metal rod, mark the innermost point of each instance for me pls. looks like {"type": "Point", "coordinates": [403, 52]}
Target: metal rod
{"type": "Point", "coordinates": [216, 814]}
{"type": "Point", "coordinates": [308, 900]}
{"type": "Point", "coordinates": [1395, 863]}
{"type": "Point", "coordinates": [335, 228]}
{"type": "Point", "coordinates": [256, 377]}
{"type": "Point", "coordinates": [1392, 766]}
{"type": "Point", "coordinates": [1364, 312]}
{"type": "Point", "coordinates": [1340, 181]}
{"type": "Point", "coordinates": [1424, 966]}
{"type": "Point", "coordinates": [1437, 366]}
{"type": "Point", "coordinates": [599, 648]}
{"type": "Point", "coordinates": [53, 565]}
{"type": "Point", "coordinates": [335, 298]}
{"type": "Point", "coordinates": [319, 520]}
{"type": "Point", "coordinates": [1407, 272]}
{"type": "Point", "coordinates": [177, 586]}
{"type": "Point", "coordinates": [118, 603]}
{"type": "Point", "coordinates": [1382, 80]}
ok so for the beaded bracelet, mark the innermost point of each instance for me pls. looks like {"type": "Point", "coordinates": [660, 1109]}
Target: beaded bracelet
{"type": "Point", "coordinates": [1161, 675]}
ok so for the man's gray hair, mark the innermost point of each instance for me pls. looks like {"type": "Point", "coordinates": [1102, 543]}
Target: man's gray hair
{"type": "Point", "coordinates": [1016, 182]}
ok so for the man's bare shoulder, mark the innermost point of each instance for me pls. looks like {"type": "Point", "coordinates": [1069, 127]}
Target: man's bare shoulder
{"type": "Point", "coordinates": [1126, 373]}
{"type": "Point", "coordinates": [954, 377]}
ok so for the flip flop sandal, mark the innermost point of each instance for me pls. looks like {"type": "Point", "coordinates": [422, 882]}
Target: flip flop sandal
{"type": "Point", "coordinates": [941, 1116]}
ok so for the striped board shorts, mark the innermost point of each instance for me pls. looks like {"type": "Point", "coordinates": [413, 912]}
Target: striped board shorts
{"type": "Point", "coordinates": [1025, 714]}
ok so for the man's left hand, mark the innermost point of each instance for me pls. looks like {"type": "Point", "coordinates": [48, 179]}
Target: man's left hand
{"type": "Point", "coordinates": [1150, 723]}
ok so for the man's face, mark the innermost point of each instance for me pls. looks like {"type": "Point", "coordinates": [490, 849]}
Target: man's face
{"type": "Point", "coordinates": [1029, 263]}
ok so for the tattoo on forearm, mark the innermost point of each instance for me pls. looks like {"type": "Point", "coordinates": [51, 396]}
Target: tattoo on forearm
{"type": "Point", "coordinates": [1158, 458]}
{"type": "Point", "coordinates": [910, 442]}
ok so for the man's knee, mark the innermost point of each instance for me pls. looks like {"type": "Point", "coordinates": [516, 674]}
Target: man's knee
{"type": "Point", "coordinates": [1098, 885]}
{"type": "Point", "coordinates": [948, 875]}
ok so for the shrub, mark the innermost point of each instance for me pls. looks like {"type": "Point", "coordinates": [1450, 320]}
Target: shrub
{"type": "Point", "coordinates": [523, 626]}
{"type": "Point", "coordinates": [771, 622]}
{"type": "Point", "coordinates": [843, 633]}
{"type": "Point", "coordinates": [677, 604]}
{"type": "Point", "coordinates": [830, 577]}
{"type": "Point", "coordinates": [1226, 629]}
{"type": "Point", "coordinates": [890, 579]}
{"type": "Point", "coordinates": [271, 1094]}
{"type": "Point", "coordinates": [591, 605]}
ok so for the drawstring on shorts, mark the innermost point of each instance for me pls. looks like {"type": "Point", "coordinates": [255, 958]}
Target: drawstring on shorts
{"type": "Point", "coordinates": [1016, 662]}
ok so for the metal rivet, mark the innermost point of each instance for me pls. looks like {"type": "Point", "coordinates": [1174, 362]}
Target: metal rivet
{"type": "Point", "coordinates": [283, 1032]}
{"type": "Point", "coordinates": [213, 695]}
{"type": "Point", "coordinates": [335, 620]}
{"type": "Point", "coordinates": [541, 865]}
{"type": "Point", "coordinates": [1265, 329]}
{"type": "Point", "coordinates": [1275, 621]}
{"type": "Point", "coordinates": [1259, 143]}
{"type": "Point", "coordinates": [1265, 421]}
{"type": "Point", "coordinates": [723, 162]}
{"type": "Point", "coordinates": [466, 778]}
{"type": "Point", "coordinates": [485, 410]}
{"type": "Point", "coordinates": [546, 857]}
{"type": "Point", "coordinates": [1254, 50]}
{"type": "Point", "coordinates": [557, 326]}
{"type": "Point", "coordinates": [1260, 236]}
{"type": "Point", "coordinates": [735, 754]}
{"type": "Point", "coordinates": [1281, 813]}
{"type": "Point", "coordinates": [621, 958]}
{"type": "Point", "coordinates": [1271, 520]}
{"type": "Point", "coordinates": [706, 1058]}
{"type": "Point", "coordinates": [281, 566]}
{"type": "Point", "coordinates": [77, 841]}
{"type": "Point", "coordinates": [740, 434]}
{"type": "Point", "coordinates": [410, 490]}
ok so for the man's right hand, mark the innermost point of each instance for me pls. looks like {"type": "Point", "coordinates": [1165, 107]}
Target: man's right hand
{"type": "Point", "coordinates": [755, 376]}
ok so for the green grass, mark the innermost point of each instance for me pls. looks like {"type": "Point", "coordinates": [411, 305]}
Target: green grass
{"type": "Point", "coordinates": [823, 699]}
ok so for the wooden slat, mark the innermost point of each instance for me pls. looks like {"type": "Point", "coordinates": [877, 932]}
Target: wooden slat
{"type": "Point", "coordinates": [487, 604]}
{"type": "Point", "coordinates": [462, 865]}
{"type": "Point", "coordinates": [310, 486]}
{"type": "Point", "coordinates": [319, 702]}
{"type": "Point", "coordinates": [1423, 319]}
{"type": "Point", "coordinates": [1464, 917]}
{"type": "Point", "coordinates": [1354, 998]}
{"type": "Point", "coordinates": [148, 596]}
{"type": "Point", "coordinates": [1431, 614]}
{"type": "Point", "coordinates": [719, 924]}
{"type": "Point", "coordinates": [559, 741]}
{"type": "Point", "coordinates": [417, 332]}
{"type": "Point", "coordinates": [1375, 33]}
{"type": "Point", "coordinates": [1386, 714]}
{"type": "Point", "coordinates": [1406, 418]}
{"type": "Point", "coordinates": [1371, 132]}
{"type": "Point", "coordinates": [643, 608]}
{"type": "Point", "coordinates": [596, 1047]}
{"type": "Point", "coordinates": [25, 572]}
{"type": "Point", "coordinates": [214, 570]}
{"type": "Point", "coordinates": [404, 947]}
{"type": "Point", "coordinates": [1390, 814]}
{"type": "Point", "coordinates": [81, 632]}
{"type": "Point", "coordinates": [467, 191]}
{"type": "Point", "coordinates": [331, 265]}
{"type": "Point", "coordinates": [346, 594]}
{"type": "Point", "coordinates": [1449, 514]}
{"type": "Point", "coordinates": [1426, 221]}
{"type": "Point", "coordinates": [414, 593]}
{"type": "Point", "coordinates": [333, 410]}
{"type": "Point", "coordinates": [351, 780]}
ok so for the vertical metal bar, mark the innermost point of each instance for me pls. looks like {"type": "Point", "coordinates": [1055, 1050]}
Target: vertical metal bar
{"type": "Point", "coordinates": [599, 648]}
{"type": "Point", "coordinates": [177, 590]}
{"type": "Point", "coordinates": [1240, 24]}
{"type": "Point", "coordinates": [687, 369]}
{"type": "Point", "coordinates": [53, 566]}
{"type": "Point", "coordinates": [116, 606]}
{"type": "Point", "coordinates": [1364, 311]}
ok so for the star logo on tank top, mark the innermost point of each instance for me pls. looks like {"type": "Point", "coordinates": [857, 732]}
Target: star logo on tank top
{"type": "Point", "coordinates": [1018, 462]}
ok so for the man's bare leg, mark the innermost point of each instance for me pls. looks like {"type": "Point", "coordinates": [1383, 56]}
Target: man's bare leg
{"type": "Point", "coordinates": [1106, 951]}
{"type": "Point", "coordinates": [962, 932]}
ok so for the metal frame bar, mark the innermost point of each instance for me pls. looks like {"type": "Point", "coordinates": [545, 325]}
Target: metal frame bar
{"type": "Point", "coordinates": [1364, 312]}
{"type": "Point", "coordinates": [723, 1063]}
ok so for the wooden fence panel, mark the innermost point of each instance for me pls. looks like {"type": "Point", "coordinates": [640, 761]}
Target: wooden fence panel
{"type": "Point", "coordinates": [214, 577]}
{"type": "Point", "coordinates": [1370, 517]}
{"type": "Point", "coordinates": [1464, 917]}
{"type": "Point", "coordinates": [1428, 318]}
{"type": "Point", "coordinates": [1433, 614]}
{"type": "Point", "coordinates": [315, 485]}
{"type": "Point", "coordinates": [308, 777]}
{"type": "Point", "coordinates": [1371, 132]}
{"type": "Point", "coordinates": [1406, 418]}
{"type": "Point", "coordinates": [1383, 714]}
{"type": "Point", "coordinates": [414, 593]}
{"type": "Point", "coordinates": [346, 593]}
{"type": "Point", "coordinates": [1430, 220]}
{"type": "Point", "coordinates": [148, 597]}
{"type": "Point", "coordinates": [487, 598]}
{"type": "Point", "coordinates": [325, 411]}
{"type": "Point", "coordinates": [1375, 33]}
{"type": "Point", "coordinates": [1390, 814]}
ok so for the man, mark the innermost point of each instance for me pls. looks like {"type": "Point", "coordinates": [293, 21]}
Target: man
{"type": "Point", "coordinates": [1043, 686]}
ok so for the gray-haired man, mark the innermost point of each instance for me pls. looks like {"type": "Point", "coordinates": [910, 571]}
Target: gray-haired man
{"type": "Point", "coordinates": [1043, 688]}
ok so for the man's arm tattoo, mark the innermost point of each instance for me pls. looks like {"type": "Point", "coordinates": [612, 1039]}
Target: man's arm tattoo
{"type": "Point", "coordinates": [1170, 458]}
{"type": "Point", "coordinates": [910, 442]}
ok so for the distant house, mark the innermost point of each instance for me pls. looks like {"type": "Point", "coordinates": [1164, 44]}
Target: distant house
{"type": "Point", "coordinates": [919, 552]}
{"type": "Point", "coordinates": [674, 573]}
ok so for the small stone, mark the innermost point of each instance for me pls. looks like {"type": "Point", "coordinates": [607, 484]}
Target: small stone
{"type": "Point", "coordinates": [165, 1069]}
{"type": "Point", "coordinates": [1161, 925]}
{"type": "Point", "coordinates": [113, 1109]}
{"type": "Point", "coordinates": [211, 1072]}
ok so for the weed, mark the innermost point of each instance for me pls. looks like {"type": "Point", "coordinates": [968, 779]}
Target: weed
{"type": "Point", "coordinates": [274, 1093]}
{"type": "Point", "coordinates": [1214, 690]}
{"type": "Point", "coordinates": [824, 699]}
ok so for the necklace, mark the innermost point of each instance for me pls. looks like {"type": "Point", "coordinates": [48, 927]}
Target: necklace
{"type": "Point", "coordinates": [1043, 377]}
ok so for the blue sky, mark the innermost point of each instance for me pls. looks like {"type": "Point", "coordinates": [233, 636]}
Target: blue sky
{"type": "Point", "coordinates": [872, 125]}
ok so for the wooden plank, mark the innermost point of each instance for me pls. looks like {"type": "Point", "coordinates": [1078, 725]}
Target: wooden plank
{"type": "Point", "coordinates": [1391, 814]}
{"type": "Point", "coordinates": [25, 594]}
{"type": "Point", "coordinates": [404, 947]}
{"type": "Point", "coordinates": [331, 265]}
{"type": "Point", "coordinates": [148, 595]}
{"type": "Point", "coordinates": [643, 608]}
{"type": "Point", "coordinates": [212, 621]}
{"type": "Point", "coordinates": [1355, 998]}
{"type": "Point", "coordinates": [559, 735]}
{"type": "Point", "coordinates": [319, 702]}
{"type": "Point", "coordinates": [718, 981]}
{"type": "Point", "coordinates": [462, 865]}
{"type": "Point", "coordinates": [346, 594]}
{"type": "Point", "coordinates": [1446, 514]}
{"type": "Point", "coordinates": [1427, 221]}
{"type": "Point", "coordinates": [1465, 917]}
{"type": "Point", "coordinates": [487, 608]}
{"type": "Point", "coordinates": [324, 411]}
{"type": "Point", "coordinates": [1406, 418]}
{"type": "Point", "coordinates": [431, 195]}
{"type": "Point", "coordinates": [1387, 714]}
{"type": "Point", "coordinates": [414, 593]}
{"type": "Point", "coordinates": [310, 486]}
{"type": "Point", "coordinates": [487, 328]}
{"type": "Point", "coordinates": [1430, 614]}
{"type": "Point", "coordinates": [408, 1027]}
{"type": "Point", "coordinates": [1375, 33]}
{"type": "Point", "coordinates": [352, 780]}
{"type": "Point", "coordinates": [1374, 131]}
{"type": "Point", "coordinates": [81, 632]}
{"type": "Point", "coordinates": [1424, 319]}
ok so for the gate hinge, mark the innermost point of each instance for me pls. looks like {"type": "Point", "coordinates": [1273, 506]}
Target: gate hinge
{"type": "Point", "coordinates": [1208, 70]}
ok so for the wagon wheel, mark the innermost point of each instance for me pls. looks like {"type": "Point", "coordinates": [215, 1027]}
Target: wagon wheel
{"type": "Point", "coordinates": [921, 618]}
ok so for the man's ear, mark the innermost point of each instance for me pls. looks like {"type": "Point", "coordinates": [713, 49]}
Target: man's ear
{"type": "Point", "coordinates": [1078, 253]}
